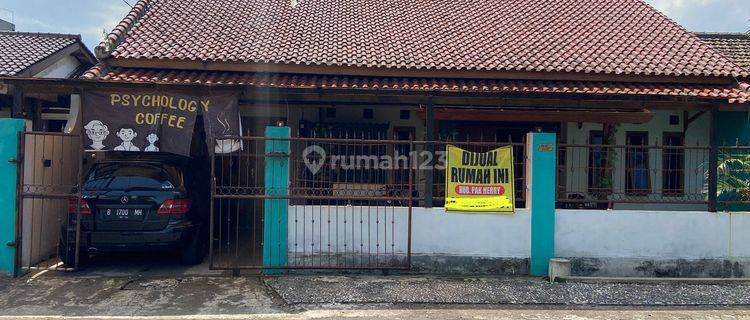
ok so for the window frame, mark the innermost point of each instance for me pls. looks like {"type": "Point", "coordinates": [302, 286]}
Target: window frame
{"type": "Point", "coordinates": [630, 177]}
{"type": "Point", "coordinates": [680, 153]}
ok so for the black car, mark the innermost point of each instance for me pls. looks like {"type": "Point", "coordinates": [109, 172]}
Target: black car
{"type": "Point", "coordinates": [138, 205]}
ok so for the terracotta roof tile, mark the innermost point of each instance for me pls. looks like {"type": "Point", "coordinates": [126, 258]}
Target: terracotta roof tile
{"type": "Point", "coordinates": [592, 36]}
{"type": "Point", "coordinates": [736, 46]}
{"type": "Point", "coordinates": [21, 50]}
{"type": "Point", "coordinates": [733, 94]}
{"type": "Point", "coordinates": [745, 87]}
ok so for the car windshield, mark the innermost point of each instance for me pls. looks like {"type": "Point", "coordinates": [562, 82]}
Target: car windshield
{"type": "Point", "coordinates": [129, 176]}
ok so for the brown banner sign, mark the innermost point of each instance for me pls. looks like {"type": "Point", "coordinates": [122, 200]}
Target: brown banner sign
{"type": "Point", "coordinates": [157, 121]}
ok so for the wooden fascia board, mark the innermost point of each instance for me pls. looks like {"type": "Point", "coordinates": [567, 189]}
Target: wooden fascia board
{"type": "Point", "coordinates": [558, 104]}
{"type": "Point", "coordinates": [464, 114]}
{"type": "Point", "coordinates": [497, 100]}
{"type": "Point", "coordinates": [68, 86]}
{"type": "Point", "coordinates": [405, 73]}
{"type": "Point", "coordinates": [381, 96]}
{"type": "Point", "coordinates": [520, 99]}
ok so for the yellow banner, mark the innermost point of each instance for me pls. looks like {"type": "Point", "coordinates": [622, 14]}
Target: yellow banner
{"type": "Point", "coordinates": [479, 182]}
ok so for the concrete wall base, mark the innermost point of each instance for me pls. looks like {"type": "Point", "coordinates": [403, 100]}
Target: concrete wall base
{"type": "Point", "coordinates": [672, 268]}
{"type": "Point", "coordinates": [580, 267]}
{"type": "Point", "coordinates": [443, 264]}
{"type": "Point", "coordinates": [421, 264]}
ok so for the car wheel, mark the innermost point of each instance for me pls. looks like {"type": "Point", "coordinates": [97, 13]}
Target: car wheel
{"type": "Point", "coordinates": [192, 253]}
{"type": "Point", "coordinates": [68, 255]}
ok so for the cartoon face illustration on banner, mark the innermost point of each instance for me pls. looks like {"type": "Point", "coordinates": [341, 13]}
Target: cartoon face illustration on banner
{"type": "Point", "coordinates": [127, 134]}
{"type": "Point", "coordinates": [152, 138]}
{"type": "Point", "coordinates": [97, 131]}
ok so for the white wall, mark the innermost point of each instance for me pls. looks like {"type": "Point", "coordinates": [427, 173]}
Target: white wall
{"type": "Point", "coordinates": [579, 233]}
{"type": "Point", "coordinates": [650, 234]}
{"type": "Point", "coordinates": [576, 173]}
{"type": "Point", "coordinates": [435, 232]}
{"type": "Point", "coordinates": [696, 135]}
{"type": "Point", "coordinates": [485, 235]}
{"type": "Point", "coordinates": [739, 223]}
{"type": "Point", "coordinates": [62, 68]}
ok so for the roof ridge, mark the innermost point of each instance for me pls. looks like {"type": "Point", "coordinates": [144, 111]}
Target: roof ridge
{"type": "Point", "coordinates": [117, 35]}
{"type": "Point", "coordinates": [736, 35]}
{"type": "Point", "coordinates": [43, 34]}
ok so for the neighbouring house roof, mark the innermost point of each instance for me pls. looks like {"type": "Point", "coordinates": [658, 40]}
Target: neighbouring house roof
{"type": "Point", "coordinates": [612, 37]}
{"type": "Point", "coordinates": [736, 46]}
{"type": "Point", "coordinates": [307, 81]}
{"type": "Point", "coordinates": [19, 51]}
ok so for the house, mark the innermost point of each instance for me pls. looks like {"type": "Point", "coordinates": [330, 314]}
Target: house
{"type": "Point", "coordinates": [40, 55]}
{"type": "Point", "coordinates": [735, 46]}
{"type": "Point", "coordinates": [49, 57]}
{"type": "Point", "coordinates": [618, 73]}
{"type": "Point", "coordinates": [633, 99]}
{"type": "Point", "coordinates": [6, 26]}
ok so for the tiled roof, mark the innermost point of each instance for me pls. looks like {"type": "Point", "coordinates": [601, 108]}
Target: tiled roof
{"type": "Point", "coordinates": [735, 46]}
{"type": "Point", "coordinates": [745, 87]}
{"type": "Point", "coordinates": [21, 50]}
{"type": "Point", "coordinates": [733, 94]}
{"type": "Point", "coordinates": [591, 36]}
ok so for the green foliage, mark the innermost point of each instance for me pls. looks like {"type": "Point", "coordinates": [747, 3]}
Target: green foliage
{"type": "Point", "coordinates": [605, 181]}
{"type": "Point", "coordinates": [733, 175]}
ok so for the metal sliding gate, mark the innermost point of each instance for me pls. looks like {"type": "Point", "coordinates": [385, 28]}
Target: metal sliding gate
{"type": "Point", "coordinates": [48, 208]}
{"type": "Point", "coordinates": [305, 203]}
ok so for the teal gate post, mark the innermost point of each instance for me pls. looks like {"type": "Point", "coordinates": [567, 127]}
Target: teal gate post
{"type": "Point", "coordinates": [276, 205]}
{"type": "Point", "coordinates": [9, 162]}
{"type": "Point", "coordinates": [541, 152]}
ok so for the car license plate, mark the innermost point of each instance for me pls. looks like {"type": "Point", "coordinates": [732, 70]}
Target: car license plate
{"type": "Point", "coordinates": [122, 214]}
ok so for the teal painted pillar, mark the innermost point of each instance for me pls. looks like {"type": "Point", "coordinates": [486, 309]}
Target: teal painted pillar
{"type": "Point", "coordinates": [541, 152]}
{"type": "Point", "coordinates": [9, 129]}
{"type": "Point", "coordinates": [276, 207]}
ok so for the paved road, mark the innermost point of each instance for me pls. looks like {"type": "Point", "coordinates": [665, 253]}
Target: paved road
{"type": "Point", "coordinates": [453, 314]}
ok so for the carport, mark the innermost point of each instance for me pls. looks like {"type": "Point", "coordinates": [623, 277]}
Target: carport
{"type": "Point", "coordinates": [48, 170]}
{"type": "Point", "coordinates": [256, 214]}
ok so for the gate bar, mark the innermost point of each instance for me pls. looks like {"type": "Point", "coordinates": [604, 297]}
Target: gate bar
{"type": "Point", "coordinates": [19, 200]}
